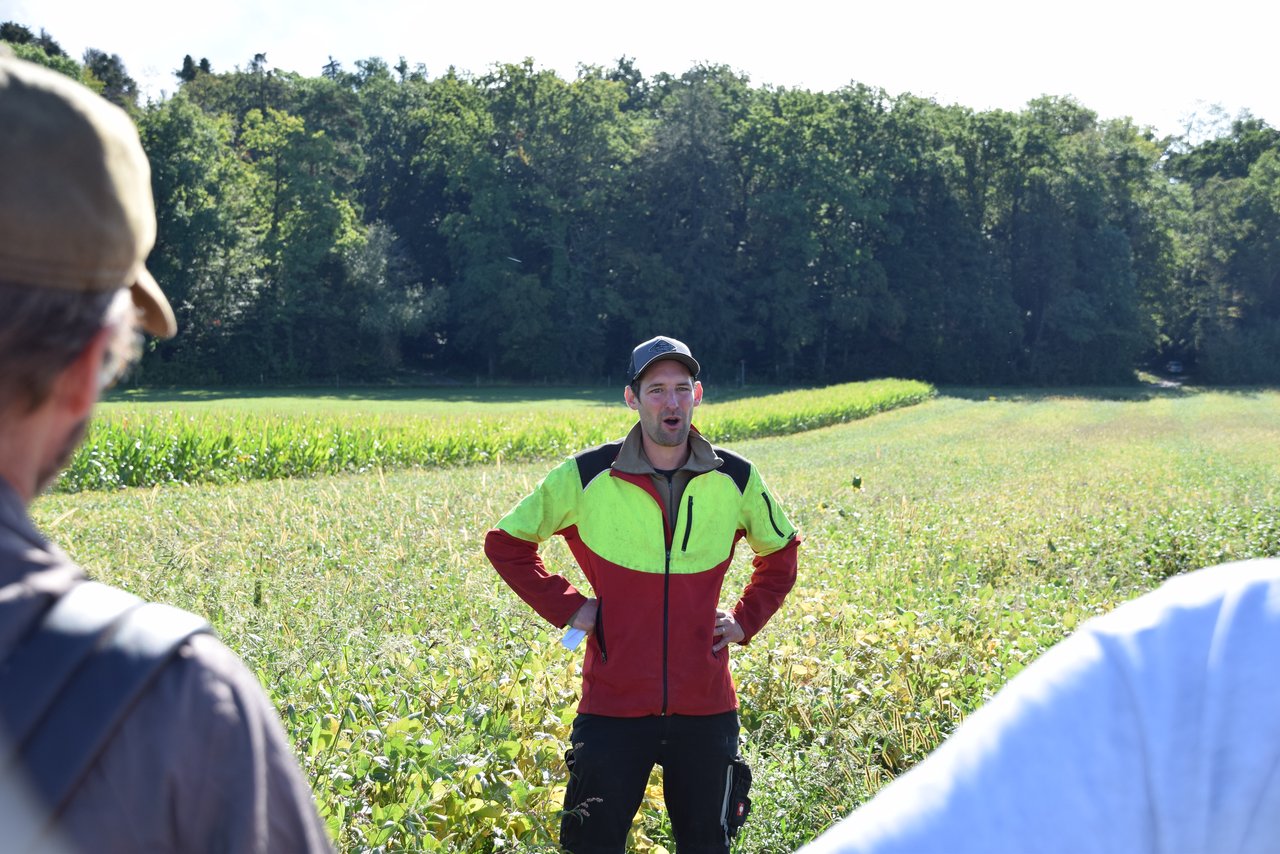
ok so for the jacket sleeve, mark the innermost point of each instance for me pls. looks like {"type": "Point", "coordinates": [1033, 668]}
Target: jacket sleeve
{"type": "Point", "coordinates": [512, 546]}
{"type": "Point", "coordinates": [776, 542]}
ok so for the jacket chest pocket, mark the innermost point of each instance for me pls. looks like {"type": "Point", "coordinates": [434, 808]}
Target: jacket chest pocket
{"type": "Point", "coordinates": [688, 523]}
{"type": "Point", "coordinates": [705, 532]}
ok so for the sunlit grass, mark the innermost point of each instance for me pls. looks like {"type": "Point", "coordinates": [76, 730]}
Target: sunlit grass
{"type": "Point", "coordinates": [946, 545]}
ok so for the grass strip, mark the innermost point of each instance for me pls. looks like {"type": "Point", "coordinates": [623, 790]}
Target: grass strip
{"type": "Point", "coordinates": [132, 448]}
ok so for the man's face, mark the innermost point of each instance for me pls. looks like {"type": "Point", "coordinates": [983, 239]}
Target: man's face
{"type": "Point", "coordinates": [668, 394]}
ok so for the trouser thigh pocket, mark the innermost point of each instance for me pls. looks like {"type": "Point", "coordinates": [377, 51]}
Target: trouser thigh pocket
{"type": "Point", "coordinates": [737, 800]}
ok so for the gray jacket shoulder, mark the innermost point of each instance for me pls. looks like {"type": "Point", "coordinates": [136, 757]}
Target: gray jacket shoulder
{"type": "Point", "coordinates": [201, 763]}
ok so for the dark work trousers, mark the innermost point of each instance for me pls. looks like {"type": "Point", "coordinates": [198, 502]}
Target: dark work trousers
{"type": "Point", "coordinates": [610, 762]}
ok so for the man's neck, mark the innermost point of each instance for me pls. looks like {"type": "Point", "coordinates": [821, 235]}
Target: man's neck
{"type": "Point", "coordinates": [17, 460]}
{"type": "Point", "coordinates": [666, 456]}
{"type": "Point", "coordinates": [33, 446]}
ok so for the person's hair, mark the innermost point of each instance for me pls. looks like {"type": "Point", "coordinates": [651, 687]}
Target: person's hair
{"type": "Point", "coordinates": [42, 330]}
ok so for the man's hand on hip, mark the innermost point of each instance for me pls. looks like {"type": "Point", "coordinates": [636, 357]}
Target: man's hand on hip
{"type": "Point", "coordinates": [727, 630]}
{"type": "Point", "coordinates": [585, 617]}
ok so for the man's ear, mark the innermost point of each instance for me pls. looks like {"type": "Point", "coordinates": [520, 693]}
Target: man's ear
{"type": "Point", "coordinates": [76, 388]}
{"type": "Point", "coordinates": [630, 397]}
{"type": "Point", "coordinates": [697, 392]}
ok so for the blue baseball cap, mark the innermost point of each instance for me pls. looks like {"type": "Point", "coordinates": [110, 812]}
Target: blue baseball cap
{"type": "Point", "coordinates": [658, 348]}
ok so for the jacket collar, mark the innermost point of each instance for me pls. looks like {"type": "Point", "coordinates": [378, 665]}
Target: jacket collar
{"type": "Point", "coordinates": [26, 556]}
{"type": "Point", "coordinates": [633, 460]}
{"type": "Point", "coordinates": [14, 521]}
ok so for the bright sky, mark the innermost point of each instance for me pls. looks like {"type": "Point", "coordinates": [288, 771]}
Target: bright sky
{"type": "Point", "coordinates": [1158, 62]}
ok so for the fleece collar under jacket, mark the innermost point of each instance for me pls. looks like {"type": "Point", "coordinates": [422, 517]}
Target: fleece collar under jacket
{"type": "Point", "coordinates": [633, 460]}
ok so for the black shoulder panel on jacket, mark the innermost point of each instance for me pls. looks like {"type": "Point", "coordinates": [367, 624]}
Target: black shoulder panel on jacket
{"type": "Point", "coordinates": [738, 468]}
{"type": "Point", "coordinates": [595, 460]}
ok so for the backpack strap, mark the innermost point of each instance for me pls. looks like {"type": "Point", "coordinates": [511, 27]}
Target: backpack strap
{"type": "Point", "coordinates": [70, 684]}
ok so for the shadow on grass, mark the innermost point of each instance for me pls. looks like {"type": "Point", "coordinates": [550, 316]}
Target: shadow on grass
{"type": "Point", "coordinates": [605, 396]}
{"type": "Point", "coordinates": [1139, 392]}
{"type": "Point", "coordinates": [1242, 390]}
{"type": "Point", "coordinates": [1152, 390]}
{"type": "Point", "coordinates": [447, 394]}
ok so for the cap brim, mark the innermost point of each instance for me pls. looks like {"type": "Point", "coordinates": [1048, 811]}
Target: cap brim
{"type": "Point", "coordinates": [157, 314]}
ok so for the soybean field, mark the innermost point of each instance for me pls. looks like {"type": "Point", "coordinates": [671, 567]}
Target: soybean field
{"type": "Point", "coordinates": [950, 537]}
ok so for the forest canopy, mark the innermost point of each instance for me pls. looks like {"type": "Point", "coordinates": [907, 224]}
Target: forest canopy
{"type": "Point", "coordinates": [514, 225]}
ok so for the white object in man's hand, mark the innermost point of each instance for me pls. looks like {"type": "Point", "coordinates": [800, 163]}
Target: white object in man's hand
{"type": "Point", "coordinates": [572, 637]}
{"type": "Point", "coordinates": [582, 621]}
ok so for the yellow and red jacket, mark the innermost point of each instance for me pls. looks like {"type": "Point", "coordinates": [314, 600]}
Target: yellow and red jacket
{"type": "Point", "coordinates": [658, 585]}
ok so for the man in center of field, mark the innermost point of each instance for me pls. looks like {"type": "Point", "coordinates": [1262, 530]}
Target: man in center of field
{"type": "Point", "coordinates": [653, 520]}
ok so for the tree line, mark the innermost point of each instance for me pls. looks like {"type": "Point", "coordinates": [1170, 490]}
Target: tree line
{"type": "Point", "coordinates": [514, 225]}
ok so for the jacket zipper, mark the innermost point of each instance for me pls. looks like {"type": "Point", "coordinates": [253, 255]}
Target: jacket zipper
{"type": "Point", "coordinates": [666, 594]}
{"type": "Point", "coordinates": [666, 619]}
{"type": "Point", "coordinates": [688, 524]}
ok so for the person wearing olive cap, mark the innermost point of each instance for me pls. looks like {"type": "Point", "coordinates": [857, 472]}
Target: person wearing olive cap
{"type": "Point", "coordinates": [653, 520]}
{"type": "Point", "coordinates": [124, 725]}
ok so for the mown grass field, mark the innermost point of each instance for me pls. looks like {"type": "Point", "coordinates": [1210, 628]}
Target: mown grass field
{"type": "Point", "coordinates": [946, 545]}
